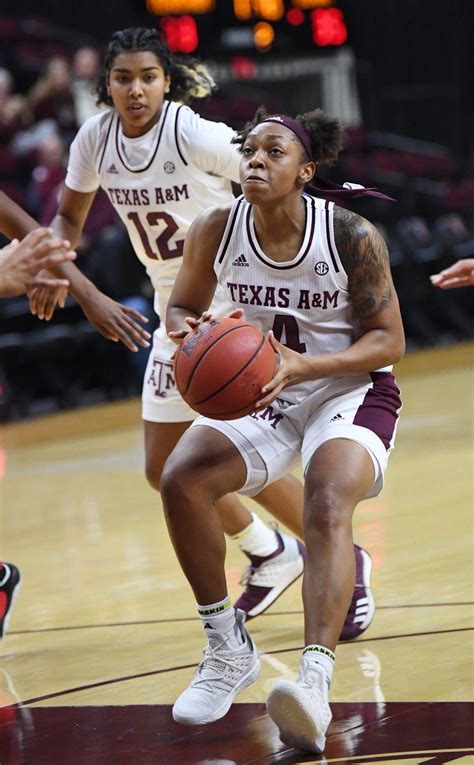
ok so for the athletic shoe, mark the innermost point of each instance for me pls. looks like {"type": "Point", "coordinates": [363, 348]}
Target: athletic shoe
{"type": "Point", "coordinates": [301, 710]}
{"type": "Point", "coordinates": [9, 588]}
{"type": "Point", "coordinates": [221, 675]}
{"type": "Point", "coordinates": [267, 577]}
{"type": "Point", "coordinates": [362, 608]}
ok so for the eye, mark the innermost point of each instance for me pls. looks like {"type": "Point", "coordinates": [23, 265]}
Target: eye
{"type": "Point", "coordinates": [276, 150]}
{"type": "Point", "coordinates": [247, 150]}
{"type": "Point", "coordinates": [150, 78]}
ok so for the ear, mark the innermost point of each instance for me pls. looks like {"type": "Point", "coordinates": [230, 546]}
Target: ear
{"type": "Point", "coordinates": [307, 171]}
{"type": "Point", "coordinates": [167, 83]}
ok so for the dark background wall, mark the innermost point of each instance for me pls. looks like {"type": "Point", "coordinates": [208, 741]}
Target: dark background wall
{"type": "Point", "coordinates": [415, 66]}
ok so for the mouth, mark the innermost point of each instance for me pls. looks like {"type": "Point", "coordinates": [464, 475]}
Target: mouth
{"type": "Point", "coordinates": [136, 109]}
{"type": "Point", "coordinates": [254, 179]}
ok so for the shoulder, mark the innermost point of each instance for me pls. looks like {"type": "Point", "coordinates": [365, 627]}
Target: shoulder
{"type": "Point", "coordinates": [208, 228]}
{"type": "Point", "coordinates": [213, 221]}
{"type": "Point", "coordinates": [357, 239]}
{"type": "Point", "coordinates": [93, 132]}
{"type": "Point", "coordinates": [192, 125]}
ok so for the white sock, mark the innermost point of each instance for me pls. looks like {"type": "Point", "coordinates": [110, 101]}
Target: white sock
{"type": "Point", "coordinates": [220, 617]}
{"type": "Point", "coordinates": [256, 538]}
{"type": "Point", "coordinates": [321, 656]}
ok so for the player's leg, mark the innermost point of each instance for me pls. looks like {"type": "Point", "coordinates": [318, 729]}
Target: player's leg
{"type": "Point", "coordinates": [344, 460]}
{"type": "Point", "coordinates": [339, 475]}
{"type": "Point", "coordinates": [204, 467]}
{"type": "Point", "coordinates": [276, 559]}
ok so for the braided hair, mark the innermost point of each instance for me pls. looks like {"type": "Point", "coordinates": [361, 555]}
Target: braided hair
{"type": "Point", "coordinates": [190, 78]}
{"type": "Point", "coordinates": [326, 134]}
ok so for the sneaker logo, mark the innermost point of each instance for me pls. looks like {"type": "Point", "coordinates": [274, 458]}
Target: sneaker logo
{"type": "Point", "coordinates": [7, 574]}
{"type": "Point", "coordinates": [240, 261]}
{"type": "Point", "coordinates": [112, 169]}
{"type": "Point", "coordinates": [336, 417]}
{"type": "Point", "coordinates": [208, 626]}
{"type": "Point", "coordinates": [362, 609]}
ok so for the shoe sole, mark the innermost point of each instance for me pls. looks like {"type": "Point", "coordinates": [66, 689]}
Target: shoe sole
{"type": "Point", "coordinates": [297, 727]}
{"type": "Point", "coordinates": [366, 573]}
{"type": "Point", "coordinates": [6, 618]}
{"type": "Point", "coordinates": [245, 682]}
{"type": "Point", "coordinates": [277, 591]}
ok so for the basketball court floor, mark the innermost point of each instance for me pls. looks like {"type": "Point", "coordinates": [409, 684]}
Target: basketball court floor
{"type": "Point", "coordinates": [104, 635]}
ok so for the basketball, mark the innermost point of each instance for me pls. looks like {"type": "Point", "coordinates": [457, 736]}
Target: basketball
{"type": "Point", "coordinates": [222, 366]}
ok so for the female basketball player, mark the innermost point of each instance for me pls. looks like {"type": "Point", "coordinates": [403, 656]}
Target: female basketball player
{"type": "Point", "coordinates": [161, 165]}
{"type": "Point", "coordinates": [319, 280]}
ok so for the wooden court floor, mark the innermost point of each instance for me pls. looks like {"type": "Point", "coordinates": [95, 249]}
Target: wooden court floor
{"type": "Point", "coordinates": [104, 635]}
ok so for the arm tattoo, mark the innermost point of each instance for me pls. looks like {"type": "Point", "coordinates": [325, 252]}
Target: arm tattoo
{"type": "Point", "coordinates": [364, 256]}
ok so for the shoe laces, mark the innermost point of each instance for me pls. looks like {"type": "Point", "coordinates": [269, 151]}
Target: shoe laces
{"type": "Point", "coordinates": [221, 663]}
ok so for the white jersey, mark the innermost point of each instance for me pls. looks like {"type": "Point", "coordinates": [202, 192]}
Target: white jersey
{"type": "Point", "coordinates": [305, 301]}
{"type": "Point", "coordinates": [158, 183]}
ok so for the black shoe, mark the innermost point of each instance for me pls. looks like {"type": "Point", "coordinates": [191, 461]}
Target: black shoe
{"type": "Point", "coordinates": [9, 587]}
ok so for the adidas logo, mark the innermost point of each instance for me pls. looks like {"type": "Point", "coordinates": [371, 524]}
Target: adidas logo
{"type": "Point", "coordinates": [112, 169]}
{"type": "Point", "coordinates": [336, 417]}
{"type": "Point", "coordinates": [240, 261]}
{"type": "Point", "coordinates": [362, 609]}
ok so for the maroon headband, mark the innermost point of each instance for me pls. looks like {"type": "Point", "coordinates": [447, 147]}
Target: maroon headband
{"type": "Point", "coordinates": [295, 127]}
{"type": "Point", "coordinates": [319, 186]}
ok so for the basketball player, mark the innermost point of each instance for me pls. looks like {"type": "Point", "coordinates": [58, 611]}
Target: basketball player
{"type": "Point", "coordinates": [460, 274]}
{"type": "Point", "coordinates": [318, 282]}
{"type": "Point", "coordinates": [20, 267]}
{"type": "Point", "coordinates": [161, 165]}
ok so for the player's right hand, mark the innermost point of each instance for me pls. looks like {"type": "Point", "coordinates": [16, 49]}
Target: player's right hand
{"type": "Point", "coordinates": [43, 300]}
{"type": "Point", "coordinates": [116, 322]}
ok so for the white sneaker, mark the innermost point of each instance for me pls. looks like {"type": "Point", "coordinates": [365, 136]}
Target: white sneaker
{"type": "Point", "coordinates": [268, 577]}
{"type": "Point", "coordinates": [301, 709]}
{"type": "Point", "coordinates": [221, 675]}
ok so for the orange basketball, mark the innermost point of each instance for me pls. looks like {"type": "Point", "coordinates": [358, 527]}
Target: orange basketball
{"type": "Point", "coordinates": [222, 366]}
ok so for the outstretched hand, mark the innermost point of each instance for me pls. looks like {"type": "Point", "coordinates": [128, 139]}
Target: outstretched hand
{"type": "Point", "coordinates": [115, 321]}
{"type": "Point", "coordinates": [44, 299]}
{"type": "Point", "coordinates": [460, 274]}
{"type": "Point", "coordinates": [292, 368]}
{"type": "Point", "coordinates": [23, 265]}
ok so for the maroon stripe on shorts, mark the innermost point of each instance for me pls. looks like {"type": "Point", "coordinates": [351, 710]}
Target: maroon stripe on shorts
{"type": "Point", "coordinates": [379, 409]}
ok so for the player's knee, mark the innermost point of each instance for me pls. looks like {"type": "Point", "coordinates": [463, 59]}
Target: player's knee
{"type": "Point", "coordinates": [327, 510]}
{"type": "Point", "coordinates": [153, 471]}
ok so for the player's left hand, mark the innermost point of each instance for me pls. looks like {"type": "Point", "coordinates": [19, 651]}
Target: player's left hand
{"type": "Point", "coordinates": [179, 335]}
{"type": "Point", "coordinates": [293, 368]}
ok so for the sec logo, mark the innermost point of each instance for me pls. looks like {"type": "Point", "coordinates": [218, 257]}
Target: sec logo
{"type": "Point", "coordinates": [321, 268]}
{"type": "Point", "coordinates": [169, 167]}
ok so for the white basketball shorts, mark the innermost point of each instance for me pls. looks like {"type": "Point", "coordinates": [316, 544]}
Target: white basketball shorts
{"type": "Point", "coordinates": [277, 438]}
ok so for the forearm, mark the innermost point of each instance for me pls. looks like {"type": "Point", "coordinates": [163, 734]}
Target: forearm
{"type": "Point", "coordinates": [15, 223]}
{"type": "Point", "coordinates": [81, 288]}
{"type": "Point", "coordinates": [374, 350]}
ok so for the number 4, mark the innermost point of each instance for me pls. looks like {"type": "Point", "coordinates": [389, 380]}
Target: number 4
{"type": "Point", "coordinates": [288, 326]}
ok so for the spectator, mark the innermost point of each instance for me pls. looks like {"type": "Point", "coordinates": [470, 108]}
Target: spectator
{"type": "Point", "coordinates": [48, 174]}
{"type": "Point", "coordinates": [51, 96]}
{"type": "Point", "coordinates": [86, 70]}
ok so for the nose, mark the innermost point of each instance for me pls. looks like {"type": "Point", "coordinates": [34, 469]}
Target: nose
{"type": "Point", "coordinates": [135, 87]}
{"type": "Point", "coordinates": [257, 159]}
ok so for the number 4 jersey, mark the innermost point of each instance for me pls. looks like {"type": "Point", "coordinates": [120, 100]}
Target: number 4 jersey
{"type": "Point", "coordinates": [159, 182]}
{"type": "Point", "coordinates": [305, 301]}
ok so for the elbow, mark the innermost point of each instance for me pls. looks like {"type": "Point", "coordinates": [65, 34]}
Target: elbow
{"type": "Point", "coordinates": [398, 349]}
